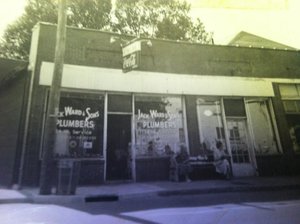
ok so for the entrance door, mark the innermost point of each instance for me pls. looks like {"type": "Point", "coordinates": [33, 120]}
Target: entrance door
{"type": "Point", "coordinates": [243, 161]}
{"type": "Point", "coordinates": [118, 152]}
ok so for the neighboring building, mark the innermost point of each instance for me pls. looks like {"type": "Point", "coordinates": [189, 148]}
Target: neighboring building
{"type": "Point", "coordinates": [244, 39]}
{"type": "Point", "coordinates": [121, 125]}
{"type": "Point", "coordinates": [14, 81]}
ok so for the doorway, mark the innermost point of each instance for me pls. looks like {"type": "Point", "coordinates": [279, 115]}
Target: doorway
{"type": "Point", "coordinates": [243, 161]}
{"type": "Point", "coordinates": [118, 153]}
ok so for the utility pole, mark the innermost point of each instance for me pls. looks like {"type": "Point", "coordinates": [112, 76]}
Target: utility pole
{"type": "Point", "coordinates": [47, 168]}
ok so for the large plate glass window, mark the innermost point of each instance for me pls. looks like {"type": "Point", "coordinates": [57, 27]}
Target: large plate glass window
{"type": "Point", "coordinates": [261, 126]}
{"type": "Point", "coordinates": [210, 124]}
{"type": "Point", "coordinates": [158, 125]}
{"type": "Point", "coordinates": [80, 126]}
{"type": "Point", "coordinates": [290, 94]}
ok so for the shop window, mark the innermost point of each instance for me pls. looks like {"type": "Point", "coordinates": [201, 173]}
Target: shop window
{"type": "Point", "coordinates": [294, 130]}
{"type": "Point", "coordinates": [158, 125]}
{"type": "Point", "coordinates": [291, 106]}
{"type": "Point", "coordinates": [289, 90]}
{"type": "Point", "coordinates": [290, 95]}
{"type": "Point", "coordinates": [80, 126]}
{"type": "Point", "coordinates": [210, 124]}
{"type": "Point", "coordinates": [261, 127]}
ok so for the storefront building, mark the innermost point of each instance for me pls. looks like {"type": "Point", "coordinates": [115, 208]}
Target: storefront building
{"type": "Point", "coordinates": [122, 126]}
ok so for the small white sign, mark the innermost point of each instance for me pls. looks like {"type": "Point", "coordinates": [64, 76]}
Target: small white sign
{"type": "Point", "coordinates": [131, 48]}
{"type": "Point", "coordinates": [87, 145]}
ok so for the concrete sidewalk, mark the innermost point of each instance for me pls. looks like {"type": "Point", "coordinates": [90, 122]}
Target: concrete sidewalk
{"type": "Point", "coordinates": [110, 192]}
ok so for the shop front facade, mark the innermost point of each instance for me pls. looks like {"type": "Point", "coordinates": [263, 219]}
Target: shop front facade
{"type": "Point", "coordinates": [134, 132]}
{"type": "Point", "coordinates": [123, 126]}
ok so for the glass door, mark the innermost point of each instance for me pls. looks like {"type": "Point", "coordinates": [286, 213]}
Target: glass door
{"type": "Point", "coordinates": [243, 163]}
{"type": "Point", "coordinates": [238, 138]}
{"type": "Point", "coordinates": [118, 151]}
{"type": "Point", "coordinates": [118, 139]}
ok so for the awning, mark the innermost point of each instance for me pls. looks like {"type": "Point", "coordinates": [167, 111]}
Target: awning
{"type": "Point", "coordinates": [105, 79]}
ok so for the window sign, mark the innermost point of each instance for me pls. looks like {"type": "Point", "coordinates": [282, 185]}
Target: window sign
{"type": "Point", "coordinates": [158, 125]}
{"type": "Point", "coordinates": [79, 128]}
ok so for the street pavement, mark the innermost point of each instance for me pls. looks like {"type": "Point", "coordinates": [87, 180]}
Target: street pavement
{"type": "Point", "coordinates": [120, 191]}
{"type": "Point", "coordinates": [245, 213]}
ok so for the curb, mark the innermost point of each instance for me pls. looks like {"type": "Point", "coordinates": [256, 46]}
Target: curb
{"type": "Point", "coordinates": [13, 196]}
{"type": "Point", "coordinates": [228, 189]}
{"type": "Point", "coordinates": [161, 193]}
{"type": "Point", "coordinates": [16, 200]}
{"type": "Point", "coordinates": [57, 199]}
{"type": "Point", "coordinates": [65, 199]}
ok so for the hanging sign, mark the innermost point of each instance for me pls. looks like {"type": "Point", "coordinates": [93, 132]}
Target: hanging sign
{"type": "Point", "coordinates": [131, 56]}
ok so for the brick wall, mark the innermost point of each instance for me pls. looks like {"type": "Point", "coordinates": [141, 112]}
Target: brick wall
{"type": "Point", "coordinates": [93, 48]}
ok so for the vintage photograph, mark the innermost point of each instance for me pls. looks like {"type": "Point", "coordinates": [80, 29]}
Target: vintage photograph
{"type": "Point", "coordinates": [149, 111]}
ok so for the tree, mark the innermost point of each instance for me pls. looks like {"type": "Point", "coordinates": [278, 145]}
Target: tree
{"type": "Point", "coordinates": [167, 19]}
{"type": "Point", "coordinates": [94, 14]}
{"type": "Point", "coordinates": [17, 36]}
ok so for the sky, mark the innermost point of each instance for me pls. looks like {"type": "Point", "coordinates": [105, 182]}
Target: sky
{"type": "Point", "coordinates": [273, 19]}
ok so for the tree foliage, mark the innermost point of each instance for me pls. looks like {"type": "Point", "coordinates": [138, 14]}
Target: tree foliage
{"type": "Point", "coordinates": [94, 14]}
{"type": "Point", "coordinates": [17, 36]}
{"type": "Point", "coordinates": [167, 19]}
